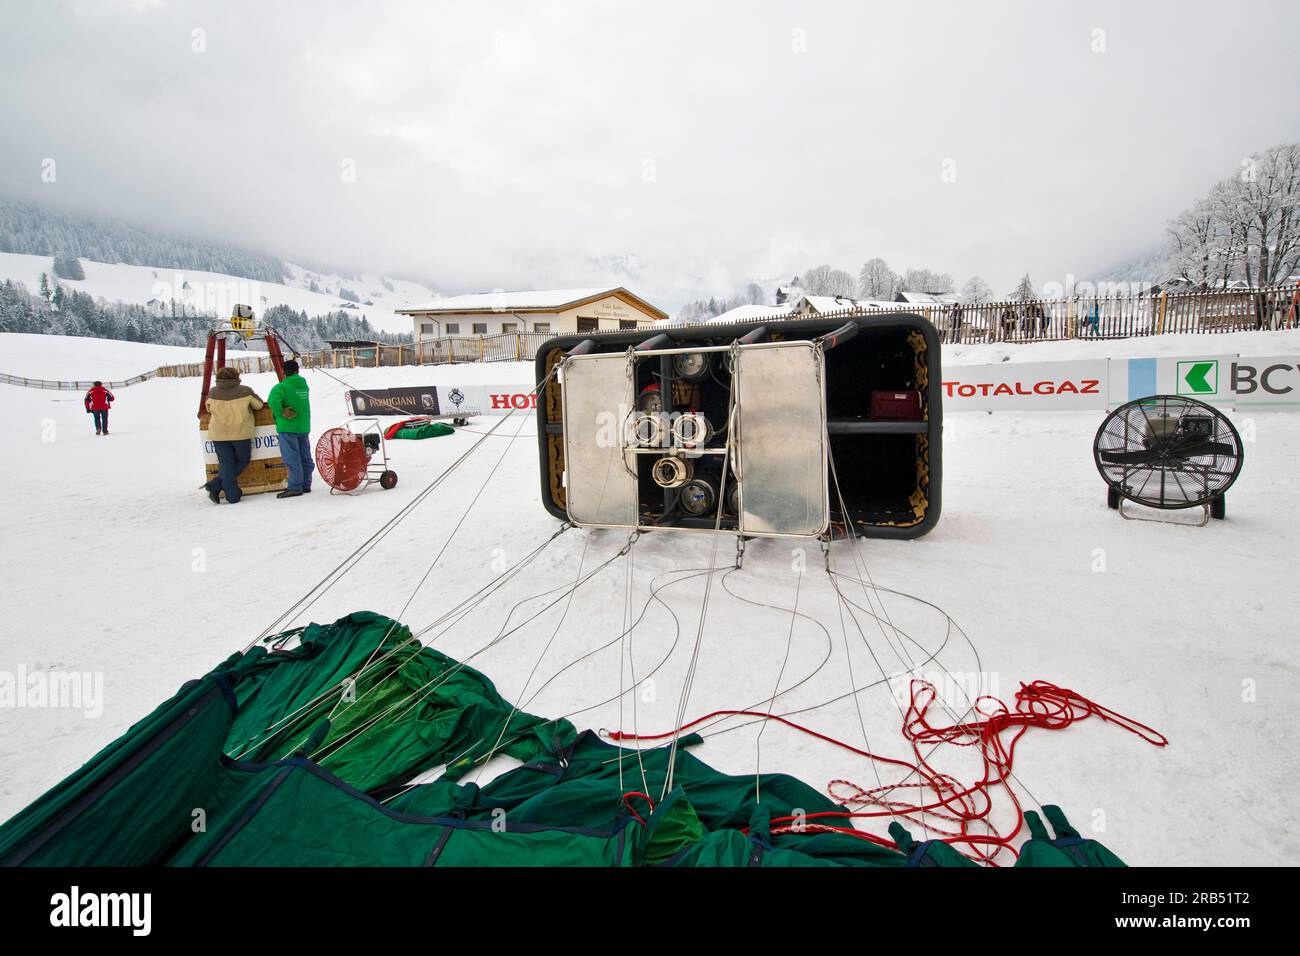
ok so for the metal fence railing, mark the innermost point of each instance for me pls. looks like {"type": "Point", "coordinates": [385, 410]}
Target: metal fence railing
{"type": "Point", "coordinates": [71, 386]}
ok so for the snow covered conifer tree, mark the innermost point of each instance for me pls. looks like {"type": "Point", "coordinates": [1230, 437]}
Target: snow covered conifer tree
{"type": "Point", "coordinates": [1024, 292]}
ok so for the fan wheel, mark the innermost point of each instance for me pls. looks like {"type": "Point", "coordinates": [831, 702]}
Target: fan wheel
{"type": "Point", "coordinates": [1218, 508]}
{"type": "Point", "coordinates": [1167, 452]}
{"type": "Point", "coordinates": [388, 480]}
{"type": "Point", "coordinates": [341, 459]}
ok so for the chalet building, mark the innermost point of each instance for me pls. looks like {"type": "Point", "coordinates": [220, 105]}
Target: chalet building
{"type": "Point", "coordinates": [555, 311]}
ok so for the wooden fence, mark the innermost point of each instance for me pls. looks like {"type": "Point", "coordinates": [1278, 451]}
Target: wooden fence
{"type": "Point", "coordinates": [1118, 316]}
{"type": "Point", "coordinates": [506, 347]}
{"type": "Point", "coordinates": [1039, 320]}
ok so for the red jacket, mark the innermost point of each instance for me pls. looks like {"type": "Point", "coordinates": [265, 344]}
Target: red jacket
{"type": "Point", "coordinates": [98, 399]}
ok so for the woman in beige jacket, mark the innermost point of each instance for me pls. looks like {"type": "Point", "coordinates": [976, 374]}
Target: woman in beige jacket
{"type": "Point", "coordinates": [231, 426]}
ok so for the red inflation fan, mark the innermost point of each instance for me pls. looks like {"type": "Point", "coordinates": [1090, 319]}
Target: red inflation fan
{"type": "Point", "coordinates": [343, 457]}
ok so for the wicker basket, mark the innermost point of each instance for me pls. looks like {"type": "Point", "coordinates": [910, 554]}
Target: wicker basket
{"type": "Point", "coordinates": [262, 474]}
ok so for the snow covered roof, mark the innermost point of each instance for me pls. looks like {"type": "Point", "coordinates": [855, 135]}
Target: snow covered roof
{"type": "Point", "coordinates": [837, 303]}
{"type": "Point", "coordinates": [538, 300]}
{"type": "Point", "coordinates": [929, 298]}
{"type": "Point", "coordinates": [744, 313]}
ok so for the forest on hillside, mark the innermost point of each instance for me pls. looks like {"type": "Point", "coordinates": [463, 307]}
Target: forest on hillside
{"type": "Point", "coordinates": [71, 312]}
{"type": "Point", "coordinates": [31, 230]}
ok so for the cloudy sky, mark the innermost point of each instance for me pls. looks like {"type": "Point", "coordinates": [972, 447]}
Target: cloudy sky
{"type": "Point", "coordinates": [533, 144]}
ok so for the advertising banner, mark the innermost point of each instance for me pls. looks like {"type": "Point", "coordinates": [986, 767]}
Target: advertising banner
{"type": "Point", "coordinates": [418, 400]}
{"type": "Point", "coordinates": [1030, 386]}
{"type": "Point", "coordinates": [266, 444]}
{"type": "Point", "coordinates": [1272, 382]}
{"type": "Point", "coordinates": [486, 399]}
{"type": "Point", "coordinates": [444, 400]}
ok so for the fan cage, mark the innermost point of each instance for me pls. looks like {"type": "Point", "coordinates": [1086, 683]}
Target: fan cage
{"type": "Point", "coordinates": [342, 457]}
{"type": "Point", "coordinates": [1168, 452]}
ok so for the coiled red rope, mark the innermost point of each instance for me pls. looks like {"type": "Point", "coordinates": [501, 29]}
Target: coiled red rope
{"type": "Point", "coordinates": [941, 804]}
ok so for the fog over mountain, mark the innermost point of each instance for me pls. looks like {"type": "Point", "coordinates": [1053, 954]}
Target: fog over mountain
{"type": "Point", "coordinates": [683, 149]}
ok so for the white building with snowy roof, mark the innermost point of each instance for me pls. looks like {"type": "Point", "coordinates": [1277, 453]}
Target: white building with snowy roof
{"type": "Point", "coordinates": [553, 311]}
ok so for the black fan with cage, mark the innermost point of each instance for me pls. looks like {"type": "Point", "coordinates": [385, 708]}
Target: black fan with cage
{"type": "Point", "coordinates": [1166, 452]}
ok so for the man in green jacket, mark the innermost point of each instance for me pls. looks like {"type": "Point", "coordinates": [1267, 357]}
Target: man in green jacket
{"type": "Point", "coordinates": [292, 407]}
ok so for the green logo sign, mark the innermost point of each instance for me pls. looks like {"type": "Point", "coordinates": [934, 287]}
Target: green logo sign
{"type": "Point", "coordinates": [1198, 378]}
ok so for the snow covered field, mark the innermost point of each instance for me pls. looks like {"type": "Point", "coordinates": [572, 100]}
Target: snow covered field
{"type": "Point", "coordinates": [117, 565]}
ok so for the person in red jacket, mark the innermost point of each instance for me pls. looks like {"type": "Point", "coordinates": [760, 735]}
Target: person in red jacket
{"type": "Point", "coordinates": [98, 400]}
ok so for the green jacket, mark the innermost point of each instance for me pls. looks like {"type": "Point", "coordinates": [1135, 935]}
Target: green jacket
{"type": "Point", "coordinates": [291, 393]}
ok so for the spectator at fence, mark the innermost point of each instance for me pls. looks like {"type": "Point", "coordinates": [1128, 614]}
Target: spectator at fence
{"type": "Point", "coordinates": [1007, 322]}
{"type": "Point", "coordinates": [231, 426]}
{"type": "Point", "coordinates": [1042, 318]}
{"type": "Point", "coordinates": [98, 400]}
{"type": "Point", "coordinates": [291, 404]}
{"type": "Point", "coordinates": [1092, 324]}
{"type": "Point", "coordinates": [955, 317]}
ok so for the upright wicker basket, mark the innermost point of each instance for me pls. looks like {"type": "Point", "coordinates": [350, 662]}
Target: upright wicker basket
{"type": "Point", "coordinates": [262, 474]}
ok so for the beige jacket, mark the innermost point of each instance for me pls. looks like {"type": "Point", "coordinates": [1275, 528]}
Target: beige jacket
{"type": "Point", "coordinates": [231, 409]}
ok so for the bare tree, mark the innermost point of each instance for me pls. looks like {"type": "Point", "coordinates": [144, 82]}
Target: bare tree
{"type": "Point", "coordinates": [1248, 227]}
{"type": "Point", "coordinates": [876, 280]}
{"type": "Point", "coordinates": [823, 280]}
{"type": "Point", "coordinates": [976, 291]}
{"type": "Point", "coordinates": [754, 294]}
{"type": "Point", "coordinates": [923, 280]}
{"type": "Point", "coordinates": [1267, 196]}
{"type": "Point", "coordinates": [1198, 238]}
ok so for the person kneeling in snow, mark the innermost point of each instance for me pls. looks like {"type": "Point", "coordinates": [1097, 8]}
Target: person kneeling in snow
{"type": "Point", "coordinates": [292, 407]}
{"type": "Point", "coordinates": [231, 426]}
{"type": "Point", "coordinates": [98, 400]}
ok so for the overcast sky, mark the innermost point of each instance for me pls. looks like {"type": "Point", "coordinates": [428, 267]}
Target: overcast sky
{"type": "Point", "coordinates": [518, 145]}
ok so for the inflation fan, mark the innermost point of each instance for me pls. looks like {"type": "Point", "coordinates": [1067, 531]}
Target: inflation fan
{"type": "Point", "coordinates": [344, 457]}
{"type": "Point", "coordinates": [1168, 452]}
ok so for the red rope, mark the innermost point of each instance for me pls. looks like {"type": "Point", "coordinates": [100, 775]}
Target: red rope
{"type": "Point", "coordinates": [995, 732]}
{"type": "Point", "coordinates": [644, 796]}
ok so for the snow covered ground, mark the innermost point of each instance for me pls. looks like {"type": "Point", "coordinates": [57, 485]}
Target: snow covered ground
{"type": "Point", "coordinates": [115, 564]}
{"type": "Point", "coordinates": [1150, 346]}
{"type": "Point", "coordinates": [119, 282]}
{"type": "Point", "coordinates": [78, 359]}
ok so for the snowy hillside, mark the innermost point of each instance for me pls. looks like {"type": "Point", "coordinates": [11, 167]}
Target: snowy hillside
{"type": "Point", "coordinates": [118, 565]}
{"type": "Point", "coordinates": [140, 284]}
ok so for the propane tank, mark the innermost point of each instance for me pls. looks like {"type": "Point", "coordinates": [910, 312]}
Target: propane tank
{"type": "Point", "coordinates": [645, 429]}
{"type": "Point", "coordinates": [691, 366]}
{"type": "Point", "coordinates": [698, 496]}
{"type": "Point", "coordinates": [670, 472]}
{"type": "Point", "coordinates": [691, 430]}
{"type": "Point", "coordinates": [649, 399]}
